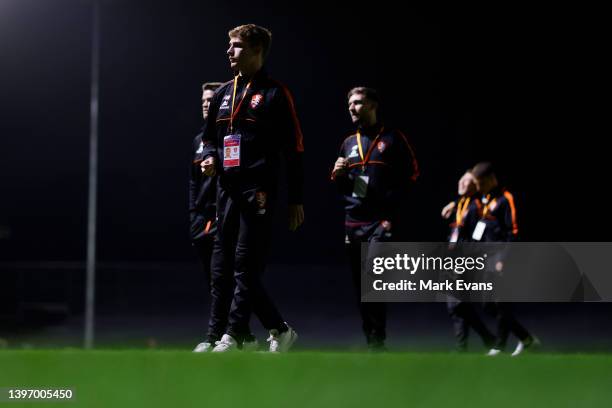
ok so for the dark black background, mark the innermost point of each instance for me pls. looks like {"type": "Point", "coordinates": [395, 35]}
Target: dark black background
{"type": "Point", "coordinates": [516, 86]}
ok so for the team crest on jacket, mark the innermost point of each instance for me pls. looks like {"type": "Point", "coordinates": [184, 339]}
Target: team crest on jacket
{"type": "Point", "coordinates": [256, 100]}
{"type": "Point", "coordinates": [381, 146]}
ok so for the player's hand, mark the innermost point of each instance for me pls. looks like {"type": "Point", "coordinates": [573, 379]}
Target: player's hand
{"type": "Point", "coordinates": [448, 210]}
{"type": "Point", "coordinates": [340, 166]}
{"type": "Point", "coordinates": [499, 266]}
{"type": "Point", "coordinates": [209, 166]}
{"type": "Point", "coordinates": [296, 216]}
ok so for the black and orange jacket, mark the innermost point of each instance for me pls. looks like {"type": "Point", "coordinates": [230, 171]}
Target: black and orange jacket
{"type": "Point", "coordinates": [202, 196]}
{"type": "Point", "coordinates": [265, 118]}
{"type": "Point", "coordinates": [499, 214]}
{"type": "Point", "coordinates": [391, 166]}
{"type": "Point", "coordinates": [468, 210]}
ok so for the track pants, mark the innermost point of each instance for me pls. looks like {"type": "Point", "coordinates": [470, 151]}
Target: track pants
{"type": "Point", "coordinates": [241, 246]}
{"type": "Point", "coordinates": [506, 323]}
{"type": "Point", "coordinates": [373, 315]}
{"type": "Point", "coordinates": [464, 317]}
{"type": "Point", "coordinates": [220, 289]}
{"type": "Point", "coordinates": [203, 248]}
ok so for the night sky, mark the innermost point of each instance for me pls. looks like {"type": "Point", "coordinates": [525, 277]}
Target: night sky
{"type": "Point", "coordinates": [506, 88]}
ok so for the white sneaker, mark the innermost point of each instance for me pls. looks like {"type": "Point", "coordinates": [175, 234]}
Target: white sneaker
{"type": "Point", "coordinates": [227, 343]}
{"type": "Point", "coordinates": [521, 347]}
{"type": "Point", "coordinates": [252, 345]}
{"type": "Point", "coordinates": [493, 352]}
{"type": "Point", "coordinates": [204, 347]}
{"type": "Point", "coordinates": [281, 343]}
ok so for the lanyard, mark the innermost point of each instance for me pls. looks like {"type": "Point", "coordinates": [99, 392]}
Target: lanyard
{"type": "Point", "coordinates": [485, 211]}
{"type": "Point", "coordinates": [235, 113]}
{"type": "Point", "coordinates": [364, 160]}
{"type": "Point", "coordinates": [462, 209]}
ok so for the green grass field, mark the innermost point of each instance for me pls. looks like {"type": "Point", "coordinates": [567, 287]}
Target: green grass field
{"type": "Point", "coordinates": [310, 379]}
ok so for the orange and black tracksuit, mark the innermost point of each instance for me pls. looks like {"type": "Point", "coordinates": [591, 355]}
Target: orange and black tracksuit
{"type": "Point", "coordinates": [252, 126]}
{"type": "Point", "coordinates": [467, 213]}
{"type": "Point", "coordinates": [381, 168]}
{"type": "Point", "coordinates": [499, 215]}
{"type": "Point", "coordinates": [463, 314]}
{"type": "Point", "coordinates": [387, 158]}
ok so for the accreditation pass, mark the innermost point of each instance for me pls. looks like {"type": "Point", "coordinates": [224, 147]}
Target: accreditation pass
{"type": "Point", "coordinates": [231, 151]}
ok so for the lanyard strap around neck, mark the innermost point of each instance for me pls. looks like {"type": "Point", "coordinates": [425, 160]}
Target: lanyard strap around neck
{"type": "Point", "coordinates": [490, 203]}
{"type": "Point", "coordinates": [234, 113]}
{"type": "Point", "coordinates": [366, 158]}
{"type": "Point", "coordinates": [462, 209]}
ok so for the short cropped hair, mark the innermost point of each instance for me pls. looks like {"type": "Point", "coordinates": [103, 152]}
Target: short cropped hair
{"type": "Point", "coordinates": [254, 35]}
{"type": "Point", "coordinates": [370, 93]}
{"type": "Point", "coordinates": [210, 86]}
{"type": "Point", "coordinates": [483, 169]}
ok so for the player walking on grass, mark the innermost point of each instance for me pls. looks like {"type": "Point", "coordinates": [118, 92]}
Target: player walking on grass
{"type": "Point", "coordinates": [252, 125]}
{"type": "Point", "coordinates": [202, 214]}
{"type": "Point", "coordinates": [498, 223]}
{"type": "Point", "coordinates": [466, 211]}
{"type": "Point", "coordinates": [373, 172]}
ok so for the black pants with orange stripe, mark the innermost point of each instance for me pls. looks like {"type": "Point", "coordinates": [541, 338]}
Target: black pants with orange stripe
{"type": "Point", "coordinates": [241, 246]}
{"type": "Point", "coordinates": [373, 314]}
